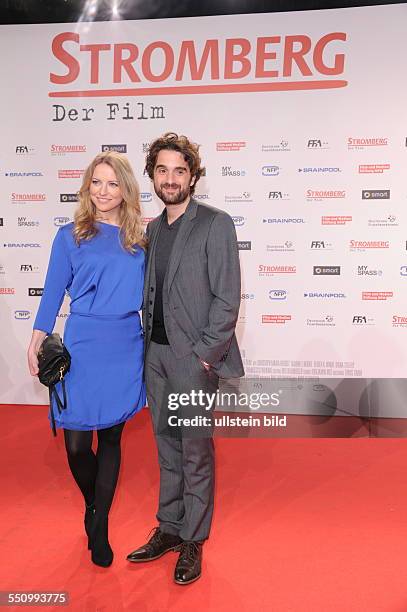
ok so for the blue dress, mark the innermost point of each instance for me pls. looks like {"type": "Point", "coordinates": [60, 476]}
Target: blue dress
{"type": "Point", "coordinates": [103, 332]}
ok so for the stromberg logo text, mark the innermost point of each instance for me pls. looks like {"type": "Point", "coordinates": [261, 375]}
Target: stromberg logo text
{"type": "Point", "coordinates": [361, 143]}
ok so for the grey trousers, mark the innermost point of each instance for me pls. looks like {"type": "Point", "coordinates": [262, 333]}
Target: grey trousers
{"type": "Point", "coordinates": [185, 454]}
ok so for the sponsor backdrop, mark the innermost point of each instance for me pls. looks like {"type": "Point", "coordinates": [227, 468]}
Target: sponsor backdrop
{"type": "Point", "coordinates": [301, 121]}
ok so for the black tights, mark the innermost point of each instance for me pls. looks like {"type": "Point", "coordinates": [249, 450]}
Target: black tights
{"type": "Point", "coordinates": [95, 475]}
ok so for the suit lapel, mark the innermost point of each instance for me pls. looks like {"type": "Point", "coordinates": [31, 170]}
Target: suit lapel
{"type": "Point", "coordinates": [151, 257]}
{"type": "Point", "coordinates": [182, 236]}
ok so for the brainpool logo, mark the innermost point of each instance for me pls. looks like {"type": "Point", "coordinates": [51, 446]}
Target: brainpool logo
{"type": "Point", "coordinates": [239, 221]}
{"type": "Point", "coordinates": [284, 220]}
{"type": "Point", "coordinates": [68, 197]}
{"type": "Point", "coordinates": [22, 245]}
{"type": "Point", "coordinates": [146, 196]}
{"type": "Point", "coordinates": [22, 315]}
{"type": "Point", "coordinates": [23, 174]}
{"type": "Point", "coordinates": [278, 294]}
{"type": "Point", "coordinates": [119, 148]}
{"type": "Point", "coordinates": [319, 170]}
{"type": "Point", "coordinates": [60, 221]}
{"type": "Point", "coordinates": [325, 295]}
{"type": "Point", "coordinates": [270, 170]}
{"type": "Point", "coordinates": [201, 196]}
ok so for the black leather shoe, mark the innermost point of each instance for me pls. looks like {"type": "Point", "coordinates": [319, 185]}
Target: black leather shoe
{"type": "Point", "coordinates": [159, 544]}
{"type": "Point", "coordinates": [188, 568]}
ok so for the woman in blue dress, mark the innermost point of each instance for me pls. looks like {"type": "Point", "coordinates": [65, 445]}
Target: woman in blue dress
{"type": "Point", "coordinates": [99, 261]}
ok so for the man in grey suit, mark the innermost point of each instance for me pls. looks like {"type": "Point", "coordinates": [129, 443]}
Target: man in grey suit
{"type": "Point", "coordinates": [191, 304]}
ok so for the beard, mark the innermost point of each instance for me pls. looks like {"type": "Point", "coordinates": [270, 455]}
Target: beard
{"type": "Point", "coordinates": [177, 197]}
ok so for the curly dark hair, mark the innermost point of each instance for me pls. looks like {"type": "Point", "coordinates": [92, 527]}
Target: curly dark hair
{"type": "Point", "coordinates": [183, 145]}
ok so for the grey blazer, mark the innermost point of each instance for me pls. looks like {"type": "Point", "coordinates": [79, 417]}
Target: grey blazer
{"type": "Point", "coordinates": [201, 292]}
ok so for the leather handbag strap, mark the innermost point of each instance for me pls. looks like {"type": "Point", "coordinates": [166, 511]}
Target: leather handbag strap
{"type": "Point", "coordinates": [60, 405]}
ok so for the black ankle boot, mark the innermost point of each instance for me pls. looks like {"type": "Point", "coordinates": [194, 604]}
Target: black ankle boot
{"type": "Point", "coordinates": [102, 553]}
{"type": "Point", "coordinates": [89, 516]}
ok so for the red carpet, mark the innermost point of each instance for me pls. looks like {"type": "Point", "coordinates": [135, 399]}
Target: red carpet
{"type": "Point", "coordinates": [300, 525]}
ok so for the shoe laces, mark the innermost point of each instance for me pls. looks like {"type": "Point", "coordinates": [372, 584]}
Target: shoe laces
{"type": "Point", "coordinates": [189, 551]}
{"type": "Point", "coordinates": [155, 538]}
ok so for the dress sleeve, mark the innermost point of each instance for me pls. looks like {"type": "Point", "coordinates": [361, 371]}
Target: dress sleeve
{"type": "Point", "coordinates": [58, 279]}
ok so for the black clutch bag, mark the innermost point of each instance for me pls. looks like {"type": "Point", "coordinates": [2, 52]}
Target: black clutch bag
{"type": "Point", "coordinates": [54, 362]}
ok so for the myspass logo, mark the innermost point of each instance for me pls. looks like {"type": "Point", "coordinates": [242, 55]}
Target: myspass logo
{"type": "Point", "coordinates": [270, 170]}
{"type": "Point", "coordinates": [24, 222]}
{"type": "Point", "coordinates": [229, 171]}
{"type": "Point", "coordinates": [278, 294]}
{"type": "Point", "coordinates": [366, 271]}
{"type": "Point", "coordinates": [216, 65]}
{"type": "Point", "coordinates": [22, 315]}
{"type": "Point", "coordinates": [119, 148]}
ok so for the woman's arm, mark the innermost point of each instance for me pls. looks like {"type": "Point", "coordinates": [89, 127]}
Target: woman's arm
{"type": "Point", "coordinates": [36, 341]}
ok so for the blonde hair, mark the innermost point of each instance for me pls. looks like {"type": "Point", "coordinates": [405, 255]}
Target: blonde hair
{"type": "Point", "coordinates": [131, 232]}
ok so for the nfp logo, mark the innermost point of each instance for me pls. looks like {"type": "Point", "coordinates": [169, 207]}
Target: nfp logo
{"type": "Point", "coordinates": [146, 196]}
{"type": "Point", "coordinates": [238, 221]}
{"type": "Point", "coordinates": [403, 270]}
{"type": "Point", "coordinates": [278, 294]}
{"type": "Point", "coordinates": [60, 221]}
{"type": "Point", "coordinates": [270, 170]}
{"type": "Point", "coordinates": [22, 315]}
